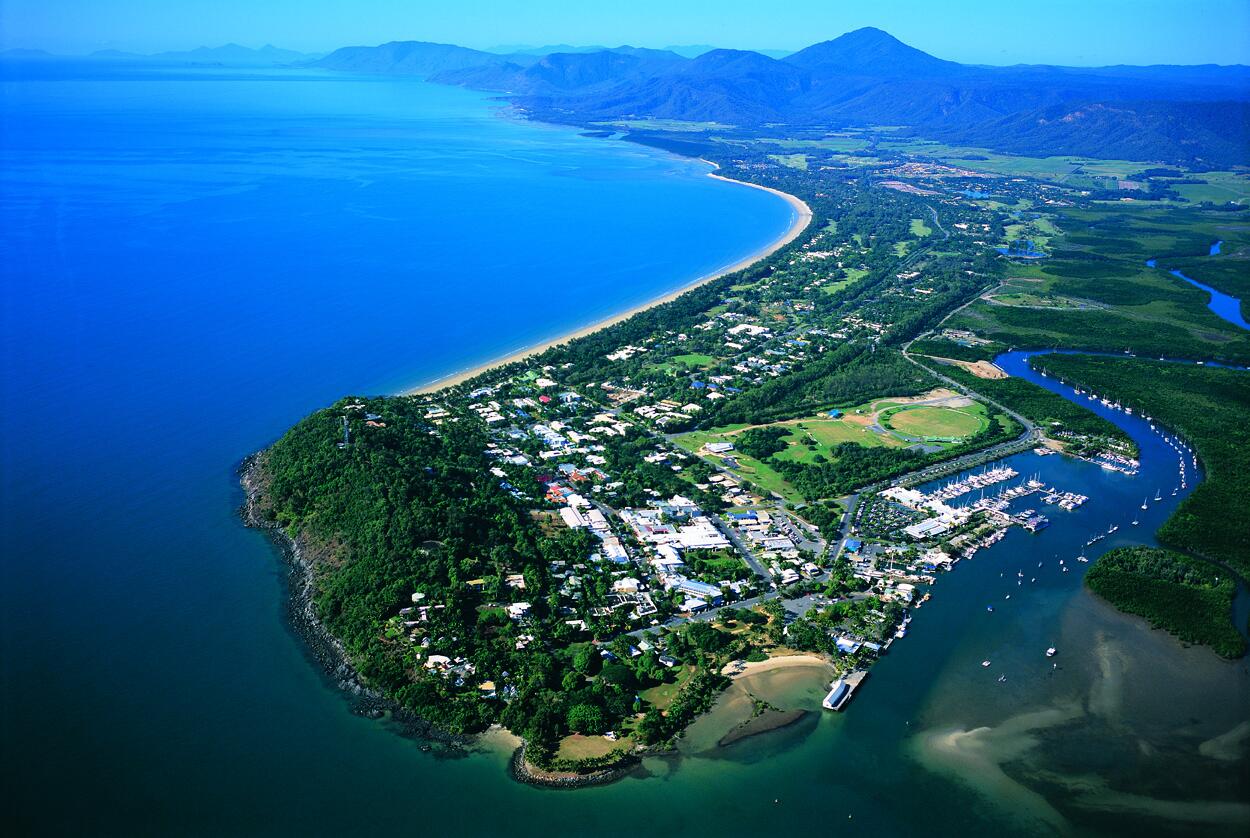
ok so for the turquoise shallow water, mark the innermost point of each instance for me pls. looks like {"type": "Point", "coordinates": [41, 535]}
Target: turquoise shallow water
{"type": "Point", "coordinates": [193, 262]}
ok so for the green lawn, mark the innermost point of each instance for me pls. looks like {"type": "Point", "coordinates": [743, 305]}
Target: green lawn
{"type": "Point", "coordinates": [938, 422]}
{"type": "Point", "coordinates": [662, 696]}
{"type": "Point", "coordinates": [808, 438]}
{"type": "Point", "coordinates": [1059, 168]}
{"type": "Point", "coordinates": [694, 359]}
{"type": "Point", "coordinates": [920, 229]}
{"type": "Point", "coordinates": [817, 436]}
{"type": "Point", "coordinates": [794, 161]}
{"type": "Point", "coordinates": [1098, 294]}
{"type": "Point", "coordinates": [1219, 188]}
{"type": "Point", "coordinates": [828, 143]}
{"type": "Point", "coordinates": [586, 747]}
{"type": "Point", "coordinates": [853, 275]}
{"type": "Point", "coordinates": [761, 475]}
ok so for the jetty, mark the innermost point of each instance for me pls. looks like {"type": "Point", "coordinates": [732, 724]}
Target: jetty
{"type": "Point", "coordinates": [841, 690]}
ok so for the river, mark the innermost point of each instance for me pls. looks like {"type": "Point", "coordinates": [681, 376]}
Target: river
{"type": "Point", "coordinates": [1124, 731]}
{"type": "Point", "coordinates": [1227, 307]}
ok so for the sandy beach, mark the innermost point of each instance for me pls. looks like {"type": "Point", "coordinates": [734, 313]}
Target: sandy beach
{"type": "Point", "coordinates": [779, 662]}
{"type": "Point", "coordinates": [803, 217]}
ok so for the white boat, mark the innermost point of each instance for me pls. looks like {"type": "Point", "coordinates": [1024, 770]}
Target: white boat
{"type": "Point", "coordinates": [985, 663]}
{"type": "Point", "coordinates": [1144, 502]}
{"type": "Point", "coordinates": [1050, 653]}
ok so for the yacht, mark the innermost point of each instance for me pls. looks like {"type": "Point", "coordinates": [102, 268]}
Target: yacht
{"type": "Point", "coordinates": [1144, 502]}
{"type": "Point", "coordinates": [1050, 653]}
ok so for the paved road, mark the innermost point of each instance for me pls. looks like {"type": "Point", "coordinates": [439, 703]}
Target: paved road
{"type": "Point", "coordinates": [744, 551]}
{"type": "Point", "coordinates": [799, 606]}
{"type": "Point", "coordinates": [1030, 437]}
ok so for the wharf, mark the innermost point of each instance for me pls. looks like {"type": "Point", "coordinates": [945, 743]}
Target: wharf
{"type": "Point", "coordinates": [843, 689]}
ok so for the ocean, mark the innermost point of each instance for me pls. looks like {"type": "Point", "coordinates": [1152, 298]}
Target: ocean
{"type": "Point", "coordinates": [193, 260]}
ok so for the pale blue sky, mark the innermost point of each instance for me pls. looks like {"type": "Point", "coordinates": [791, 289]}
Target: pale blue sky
{"type": "Point", "coordinates": [1077, 32]}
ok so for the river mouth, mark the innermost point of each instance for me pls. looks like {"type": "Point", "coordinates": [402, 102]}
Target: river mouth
{"type": "Point", "coordinates": [1125, 725]}
{"type": "Point", "coordinates": [1117, 733]}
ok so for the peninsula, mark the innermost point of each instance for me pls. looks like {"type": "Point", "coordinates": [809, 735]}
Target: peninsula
{"type": "Point", "coordinates": [581, 542]}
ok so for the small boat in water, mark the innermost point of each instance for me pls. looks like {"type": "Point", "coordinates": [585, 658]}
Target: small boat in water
{"type": "Point", "coordinates": [1050, 653]}
{"type": "Point", "coordinates": [985, 663]}
{"type": "Point", "coordinates": [989, 608]}
{"type": "Point", "coordinates": [1144, 501]}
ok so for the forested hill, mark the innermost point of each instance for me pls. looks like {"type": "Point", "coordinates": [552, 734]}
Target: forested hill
{"type": "Point", "coordinates": [1187, 114]}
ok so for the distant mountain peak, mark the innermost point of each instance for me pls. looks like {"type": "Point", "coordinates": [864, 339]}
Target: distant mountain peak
{"type": "Point", "coordinates": [869, 51]}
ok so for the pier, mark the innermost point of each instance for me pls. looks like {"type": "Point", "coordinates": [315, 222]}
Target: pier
{"type": "Point", "coordinates": [841, 690]}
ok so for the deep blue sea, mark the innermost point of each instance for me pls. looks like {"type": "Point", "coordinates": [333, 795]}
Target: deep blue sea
{"type": "Point", "coordinates": [191, 262]}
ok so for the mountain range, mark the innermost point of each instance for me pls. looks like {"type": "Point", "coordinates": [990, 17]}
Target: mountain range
{"type": "Point", "coordinates": [1195, 114]}
{"type": "Point", "coordinates": [228, 54]}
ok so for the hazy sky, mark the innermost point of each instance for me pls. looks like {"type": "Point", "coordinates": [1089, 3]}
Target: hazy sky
{"type": "Point", "coordinates": [984, 31]}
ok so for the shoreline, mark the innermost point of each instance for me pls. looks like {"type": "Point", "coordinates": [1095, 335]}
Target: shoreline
{"type": "Point", "coordinates": [749, 668]}
{"type": "Point", "coordinates": [324, 650]}
{"type": "Point", "coordinates": [803, 217]}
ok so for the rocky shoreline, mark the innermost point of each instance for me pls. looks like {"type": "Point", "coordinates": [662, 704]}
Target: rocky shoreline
{"type": "Point", "coordinates": [328, 653]}
{"type": "Point", "coordinates": [322, 646]}
{"type": "Point", "coordinates": [520, 769]}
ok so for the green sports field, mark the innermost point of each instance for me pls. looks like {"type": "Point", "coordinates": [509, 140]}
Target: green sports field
{"type": "Point", "coordinates": [937, 422]}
